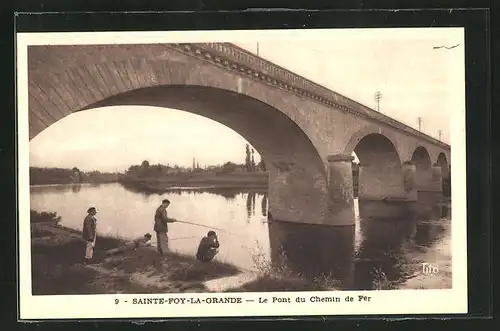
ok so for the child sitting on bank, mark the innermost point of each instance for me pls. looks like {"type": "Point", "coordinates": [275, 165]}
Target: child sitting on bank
{"type": "Point", "coordinates": [208, 248]}
{"type": "Point", "coordinates": [131, 245]}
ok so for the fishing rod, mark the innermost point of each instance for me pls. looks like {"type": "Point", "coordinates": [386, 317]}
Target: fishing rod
{"type": "Point", "coordinates": [183, 238]}
{"type": "Point", "coordinates": [209, 227]}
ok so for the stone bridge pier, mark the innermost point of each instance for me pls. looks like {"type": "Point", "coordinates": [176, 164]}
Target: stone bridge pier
{"type": "Point", "coordinates": [301, 193]}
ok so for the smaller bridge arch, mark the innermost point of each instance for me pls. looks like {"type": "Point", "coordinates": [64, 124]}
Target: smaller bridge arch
{"type": "Point", "coordinates": [429, 175]}
{"type": "Point", "coordinates": [380, 171]}
{"type": "Point", "coordinates": [423, 165]}
{"type": "Point", "coordinates": [442, 161]}
{"type": "Point", "coordinates": [421, 159]}
{"type": "Point", "coordinates": [367, 130]}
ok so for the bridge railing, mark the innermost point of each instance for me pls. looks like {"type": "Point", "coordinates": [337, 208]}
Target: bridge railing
{"type": "Point", "coordinates": [249, 63]}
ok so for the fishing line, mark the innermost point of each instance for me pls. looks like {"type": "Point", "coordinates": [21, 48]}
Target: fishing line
{"type": "Point", "coordinates": [210, 227]}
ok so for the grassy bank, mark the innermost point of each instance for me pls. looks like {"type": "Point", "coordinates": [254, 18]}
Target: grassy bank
{"type": "Point", "coordinates": [57, 267]}
{"type": "Point", "coordinates": [57, 255]}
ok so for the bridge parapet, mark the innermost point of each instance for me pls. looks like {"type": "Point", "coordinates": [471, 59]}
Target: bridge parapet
{"type": "Point", "coordinates": [238, 59]}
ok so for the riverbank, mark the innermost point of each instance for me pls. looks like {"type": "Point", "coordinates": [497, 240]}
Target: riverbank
{"type": "Point", "coordinates": [236, 181]}
{"type": "Point", "coordinates": [58, 268]}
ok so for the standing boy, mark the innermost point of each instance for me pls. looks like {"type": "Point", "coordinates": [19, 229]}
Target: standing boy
{"type": "Point", "coordinates": [161, 226]}
{"type": "Point", "coordinates": [89, 233]}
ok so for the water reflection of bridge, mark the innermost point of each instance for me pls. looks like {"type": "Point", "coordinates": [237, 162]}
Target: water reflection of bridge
{"type": "Point", "coordinates": [385, 250]}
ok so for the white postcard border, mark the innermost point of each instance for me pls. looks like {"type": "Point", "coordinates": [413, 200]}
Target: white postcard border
{"type": "Point", "coordinates": [406, 302]}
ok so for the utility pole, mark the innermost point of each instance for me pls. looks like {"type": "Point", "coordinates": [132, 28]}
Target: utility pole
{"type": "Point", "coordinates": [420, 124]}
{"type": "Point", "coordinates": [257, 48]}
{"type": "Point", "coordinates": [439, 134]}
{"type": "Point", "coordinates": [378, 96]}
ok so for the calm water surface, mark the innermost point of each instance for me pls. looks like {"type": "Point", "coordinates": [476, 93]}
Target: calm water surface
{"type": "Point", "coordinates": [372, 250]}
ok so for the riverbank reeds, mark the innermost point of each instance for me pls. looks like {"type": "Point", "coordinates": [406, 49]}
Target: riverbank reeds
{"type": "Point", "coordinates": [277, 276]}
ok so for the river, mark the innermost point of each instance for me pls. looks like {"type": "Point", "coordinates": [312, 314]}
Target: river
{"type": "Point", "coordinates": [371, 254]}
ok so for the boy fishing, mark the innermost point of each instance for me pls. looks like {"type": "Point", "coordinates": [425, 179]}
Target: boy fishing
{"type": "Point", "coordinates": [161, 221]}
{"type": "Point", "coordinates": [208, 248]}
{"type": "Point", "coordinates": [143, 241]}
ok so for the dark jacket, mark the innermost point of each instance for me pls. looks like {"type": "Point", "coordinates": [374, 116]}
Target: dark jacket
{"type": "Point", "coordinates": [161, 220]}
{"type": "Point", "coordinates": [89, 228]}
{"type": "Point", "coordinates": [206, 249]}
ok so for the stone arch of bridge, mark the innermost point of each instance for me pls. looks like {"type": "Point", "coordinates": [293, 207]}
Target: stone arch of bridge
{"type": "Point", "coordinates": [380, 173]}
{"type": "Point", "coordinates": [421, 159]}
{"type": "Point", "coordinates": [298, 189]}
{"type": "Point", "coordinates": [423, 164]}
{"type": "Point", "coordinates": [442, 161]}
{"type": "Point", "coordinates": [64, 79]}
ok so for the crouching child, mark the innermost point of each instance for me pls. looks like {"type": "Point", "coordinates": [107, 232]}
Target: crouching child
{"type": "Point", "coordinates": [131, 245]}
{"type": "Point", "coordinates": [208, 248]}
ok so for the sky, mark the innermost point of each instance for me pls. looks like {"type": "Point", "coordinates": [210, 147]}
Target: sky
{"type": "Point", "coordinates": [415, 79]}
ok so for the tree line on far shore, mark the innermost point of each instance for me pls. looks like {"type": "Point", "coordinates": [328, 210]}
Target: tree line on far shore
{"type": "Point", "coordinates": [44, 176]}
{"type": "Point", "coordinates": [54, 175]}
{"type": "Point", "coordinates": [147, 170]}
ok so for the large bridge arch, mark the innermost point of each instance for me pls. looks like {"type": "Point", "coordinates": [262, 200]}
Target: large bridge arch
{"type": "Point", "coordinates": [66, 79]}
{"type": "Point", "coordinates": [298, 189]}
